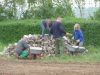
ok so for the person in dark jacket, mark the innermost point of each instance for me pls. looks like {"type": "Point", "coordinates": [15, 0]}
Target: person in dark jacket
{"type": "Point", "coordinates": [78, 35]}
{"type": "Point", "coordinates": [22, 46]}
{"type": "Point", "coordinates": [58, 31]}
{"type": "Point", "coordinates": [45, 24]}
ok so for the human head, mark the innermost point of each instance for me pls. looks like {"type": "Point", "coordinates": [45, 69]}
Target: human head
{"type": "Point", "coordinates": [48, 21]}
{"type": "Point", "coordinates": [58, 19]}
{"type": "Point", "coordinates": [77, 26]}
{"type": "Point", "coordinates": [25, 38]}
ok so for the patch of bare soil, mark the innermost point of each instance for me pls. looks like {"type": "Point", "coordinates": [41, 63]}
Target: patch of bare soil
{"type": "Point", "coordinates": [29, 67]}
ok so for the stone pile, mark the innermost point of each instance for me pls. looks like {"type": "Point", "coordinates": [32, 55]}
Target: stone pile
{"type": "Point", "coordinates": [9, 50]}
{"type": "Point", "coordinates": [46, 43]}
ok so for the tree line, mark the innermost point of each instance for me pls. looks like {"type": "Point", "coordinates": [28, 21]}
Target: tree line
{"type": "Point", "coordinates": [26, 9]}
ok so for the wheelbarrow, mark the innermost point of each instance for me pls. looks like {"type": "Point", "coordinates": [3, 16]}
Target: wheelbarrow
{"type": "Point", "coordinates": [35, 52]}
{"type": "Point", "coordinates": [75, 49]}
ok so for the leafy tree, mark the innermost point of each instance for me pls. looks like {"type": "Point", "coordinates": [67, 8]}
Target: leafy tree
{"type": "Point", "coordinates": [63, 8]}
{"type": "Point", "coordinates": [80, 4]}
{"type": "Point", "coordinates": [97, 14]}
{"type": "Point", "coordinates": [45, 9]}
{"type": "Point", "coordinates": [2, 15]}
{"type": "Point", "coordinates": [38, 8]}
{"type": "Point", "coordinates": [11, 8]}
{"type": "Point", "coordinates": [27, 15]}
{"type": "Point", "coordinates": [95, 1]}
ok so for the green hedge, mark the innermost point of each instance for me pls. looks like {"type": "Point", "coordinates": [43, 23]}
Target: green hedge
{"type": "Point", "coordinates": [12, 31]}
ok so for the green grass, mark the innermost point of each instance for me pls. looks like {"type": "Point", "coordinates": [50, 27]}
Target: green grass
{"type": "Point", "coordinates": [93, 55]}
{"type": "Point", "coordinates": [80, 58]}
{"type": "Point", "coordinates": [2, 47]}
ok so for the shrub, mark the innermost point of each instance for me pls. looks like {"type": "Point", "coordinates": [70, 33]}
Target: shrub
{"type": "Point", "coordinates": [12, 31]}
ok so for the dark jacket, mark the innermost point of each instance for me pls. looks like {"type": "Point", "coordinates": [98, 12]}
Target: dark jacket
{"type": "Point", "coordinates": [44, 23]}
{"type": "Point", "coordinates": [21, 46]}
{"type": "Point", "coordinates": [57, 30]}
{"type": "Point", "coordinates": [78, 35]}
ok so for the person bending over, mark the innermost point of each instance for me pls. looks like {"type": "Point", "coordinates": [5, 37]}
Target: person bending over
{"type": "Point", "coordinates": [22, 48]}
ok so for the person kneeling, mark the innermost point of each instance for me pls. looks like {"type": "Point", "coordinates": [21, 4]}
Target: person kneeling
{"type": "Point", "coordinates": [22, 48]}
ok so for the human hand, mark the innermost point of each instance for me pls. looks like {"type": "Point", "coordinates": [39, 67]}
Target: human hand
{"type": "Point", "coordinates": [69, 34]}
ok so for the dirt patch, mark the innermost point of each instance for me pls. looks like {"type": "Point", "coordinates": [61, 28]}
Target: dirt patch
{"type": "Point", "coordinates": [28, 67]}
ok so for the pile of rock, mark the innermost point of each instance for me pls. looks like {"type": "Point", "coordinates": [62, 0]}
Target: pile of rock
{"type": "Point", "coordinates": [46, 43]}
{"type": "Point", "coordinates": [9, 50]}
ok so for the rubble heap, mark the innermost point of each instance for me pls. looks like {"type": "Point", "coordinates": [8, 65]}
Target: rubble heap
{"type": "Point", "coordinates": [46, 43]}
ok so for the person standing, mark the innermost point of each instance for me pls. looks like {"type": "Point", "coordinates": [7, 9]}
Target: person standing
{"type": "Point", "coordinates": [45, 24]}
{"type": "Point", "coordinates": [78, 35]}
{"type": "Point", "coordinates": [58, 31]}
